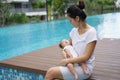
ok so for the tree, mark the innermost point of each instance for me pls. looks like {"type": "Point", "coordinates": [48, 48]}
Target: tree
{"type": "Point", "coordinates": [4, 7]}
{"type": "Point", "coordinates": [105, 3]}
{"type": "Point", "coordinates": [38, 4]}
{"type": "Point", "coordinates": [58, 7]}
{"type": "Point", "coordinates": [99, 6]}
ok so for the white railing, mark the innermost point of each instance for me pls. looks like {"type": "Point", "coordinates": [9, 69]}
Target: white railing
{"type": "Point", "coordinates": [16, 0]}
{"type": "Point", "coordinates": [20, 10]}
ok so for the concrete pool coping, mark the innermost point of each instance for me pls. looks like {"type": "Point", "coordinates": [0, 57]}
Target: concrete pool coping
{"type": "Point", "coordinates": [107, 60]}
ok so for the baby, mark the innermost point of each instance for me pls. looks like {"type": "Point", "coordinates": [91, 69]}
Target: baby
{"type": "Point", "coordinates": [69, 52]}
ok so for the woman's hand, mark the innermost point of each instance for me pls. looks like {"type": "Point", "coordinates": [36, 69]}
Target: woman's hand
{"type": "Point", "coordinates": [63, 62]}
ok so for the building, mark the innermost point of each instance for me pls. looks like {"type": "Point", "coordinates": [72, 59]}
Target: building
{"type": "Point", "coordinates": [25, 6]}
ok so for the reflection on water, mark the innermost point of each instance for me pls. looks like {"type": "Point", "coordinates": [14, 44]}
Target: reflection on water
{"type": "Point", "coordinates": [110, 27]}
{"type": "Point", "coordinates": [117, 3]}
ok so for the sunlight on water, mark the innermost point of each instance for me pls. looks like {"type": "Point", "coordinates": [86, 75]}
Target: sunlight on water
{"type": "Point", "coordinates": [110, 28]}
{"type": "Point", "coordinates": [117, 3]}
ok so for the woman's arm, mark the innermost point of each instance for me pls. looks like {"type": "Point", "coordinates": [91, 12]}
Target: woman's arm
{"type": "Point", "coordinates": [88, 52]}
{"type": "Point", "coordinates": [70, 41]}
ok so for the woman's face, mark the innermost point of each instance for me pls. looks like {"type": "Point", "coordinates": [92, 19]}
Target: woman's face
{"type": "Point", "coordinates": [73, 21]}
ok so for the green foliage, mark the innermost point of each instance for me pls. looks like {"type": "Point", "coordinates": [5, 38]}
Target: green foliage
{"type": "Point", "coordinates": [4, 7]}
{"type": "Point", "coordinates": [49, 2]}
{"type": "Point", "coordinates": [35, 19]}
{"type": "Point", "coordinates": [58, 7]}
{"type": "Point", "coordinates": [21, 18]}
{"type": "Point", "coordinates": [98, 6]}
{"type": "Point", "coordinates": [16, 18]}
{"type": "Point", "coordinates": [105, 1]}
{"type": "Point", "coordinates": [9, 19]}
{"type": "Point", "coordinates": [57, 4]}
{"type": "Point", "coordinates": [38, 4]}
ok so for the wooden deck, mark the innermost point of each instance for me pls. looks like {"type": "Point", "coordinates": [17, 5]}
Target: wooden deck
{"type": "Point", "coordinates": [107, 60]}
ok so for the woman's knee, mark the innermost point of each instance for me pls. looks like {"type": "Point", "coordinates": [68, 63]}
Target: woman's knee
{"type": "Point", "coordinates": [48, 75]}
{"type": "Point", "coordinates": [53, 72]}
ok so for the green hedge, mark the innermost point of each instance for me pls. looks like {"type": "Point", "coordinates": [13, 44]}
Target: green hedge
{"type": "Point", "coordinates": [16, 19]}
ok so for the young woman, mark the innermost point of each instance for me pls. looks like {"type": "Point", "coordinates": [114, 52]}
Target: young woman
{"type": "Point", "coordinates": [83, 38]}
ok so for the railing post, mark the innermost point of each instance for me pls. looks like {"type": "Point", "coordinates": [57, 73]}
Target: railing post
{"type": "Point", "coordinates": [47, 9]}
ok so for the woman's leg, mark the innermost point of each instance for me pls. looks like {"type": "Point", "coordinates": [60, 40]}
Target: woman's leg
{"type": "Point", "coordinates": [54, 73]}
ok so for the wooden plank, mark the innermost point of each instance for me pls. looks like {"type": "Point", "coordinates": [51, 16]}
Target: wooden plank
{"type": "Point", "coordinates": [37, 61]}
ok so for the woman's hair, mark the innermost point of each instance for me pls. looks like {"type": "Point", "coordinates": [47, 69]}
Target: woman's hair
{"type": "Point", "coordinates": [77, 10]}
{"type": "Point", "coordinates": [81, 4]}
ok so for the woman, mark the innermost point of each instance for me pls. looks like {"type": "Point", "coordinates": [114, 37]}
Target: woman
{"type": "Point", "coordinates": [83, 38]}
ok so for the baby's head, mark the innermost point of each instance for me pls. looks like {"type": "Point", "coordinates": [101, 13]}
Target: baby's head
{"type": "Point", "coordinates": [64, 43]}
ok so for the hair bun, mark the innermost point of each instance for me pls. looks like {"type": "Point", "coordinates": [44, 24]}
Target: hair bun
{"type": "Point", "coordinates": [81, 4]}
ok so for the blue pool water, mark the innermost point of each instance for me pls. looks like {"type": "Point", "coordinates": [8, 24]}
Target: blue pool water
{"type": "Point", "coordinates": [20, 39]}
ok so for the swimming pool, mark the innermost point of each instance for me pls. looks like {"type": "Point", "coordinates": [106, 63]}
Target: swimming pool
{"type": "Point", "coordinates": [19, 39]}
{"type": "Point", "coordinates": [13, 74]}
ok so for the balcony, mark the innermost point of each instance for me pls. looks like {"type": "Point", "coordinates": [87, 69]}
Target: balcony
{"type": "Point", "coordinates": [10, 1]}
{"type": "Point", "coordinates": [29, 11]}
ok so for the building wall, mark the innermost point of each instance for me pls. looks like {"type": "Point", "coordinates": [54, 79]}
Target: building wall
{"type": "Point", "coordinates": [20, 6]}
